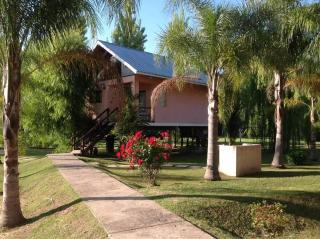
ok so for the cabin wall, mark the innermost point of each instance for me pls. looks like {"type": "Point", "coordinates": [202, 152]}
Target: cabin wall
{"type": "Point", "coordinates": [186, 107]}
{"type": "Point", "coordinates": [110, 94]}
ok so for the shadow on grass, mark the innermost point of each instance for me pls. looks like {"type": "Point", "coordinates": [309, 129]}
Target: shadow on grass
{"type": "Point", "coordinates": [296, 209]}
{"type": "Point", "coordinates": [111, 172]}
{"type": "Point", "coordinates": [40, 171]}
{"type": "Point", "coordinates": [284, 174]}
{"type": "Point", "coordinates": [53, 211]}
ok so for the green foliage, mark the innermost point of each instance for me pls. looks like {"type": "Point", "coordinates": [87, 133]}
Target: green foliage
{"type": "Point", "coordinates": [54, 97]}
{"type": "Point", "coordinates": [229, 216]}
{"type": "Point", "coordinates": [230, 109]}
{"type": "Point", "coordinates": [270, 220]}
{"type": "Point", "coordinates": [128, 31]}
{"type": "Point", "coordinates": [128, 120]}
{"type": "Point", "coordinates": [296, 157]}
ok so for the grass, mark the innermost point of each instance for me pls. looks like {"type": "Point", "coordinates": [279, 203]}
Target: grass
{"type": "Point", "coordinates": [52, 208]}
{"type": "Point", "coordinates": [223, 208]}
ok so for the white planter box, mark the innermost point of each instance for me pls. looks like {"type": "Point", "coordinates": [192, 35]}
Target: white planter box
{"type": "Point", "coordinates": [238, 160]}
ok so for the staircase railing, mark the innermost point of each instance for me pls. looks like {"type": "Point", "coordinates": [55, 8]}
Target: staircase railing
{"type": "Point", "coordinates": [100, 122]}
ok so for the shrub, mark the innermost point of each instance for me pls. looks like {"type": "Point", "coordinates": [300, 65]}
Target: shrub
{"type": "Point", "coordinates": [149, 153]}
{"type": "Point", "coordinates": [128, 120]}
{"type": "Point", "coordinates": [297, 157]}
{"type": "Point", "coordinates": [269, 219]}
{"type": "Point", "coordinates": [230, 216]}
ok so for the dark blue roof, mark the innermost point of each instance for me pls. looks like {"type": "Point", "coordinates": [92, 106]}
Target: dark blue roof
{"type": "Point", "coordinates": [141, 62]}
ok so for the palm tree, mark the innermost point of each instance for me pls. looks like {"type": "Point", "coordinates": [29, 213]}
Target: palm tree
{"type": "Point", "coordinates": [307, 79]}
{"type": "Point", "coordinates": [306, 82]}
{"type": "Point", "coordinates": [23, 23]}
{"type": "Point", "coordinates": [275, 51]}
{"type": "Point", "coordinates": [206, 48]}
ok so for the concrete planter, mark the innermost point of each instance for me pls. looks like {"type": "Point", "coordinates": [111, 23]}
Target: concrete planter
{"type": "Point", "coordinates": [239, 160]}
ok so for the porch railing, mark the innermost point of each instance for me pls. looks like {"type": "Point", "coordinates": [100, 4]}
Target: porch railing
{"type": "Point", "coordinates": [145, 113]}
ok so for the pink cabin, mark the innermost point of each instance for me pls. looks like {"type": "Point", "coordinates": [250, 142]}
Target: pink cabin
{"type": "Point", "coordinates": [183, 112]}
{"type": "Point", "coordinates": [142, 72]}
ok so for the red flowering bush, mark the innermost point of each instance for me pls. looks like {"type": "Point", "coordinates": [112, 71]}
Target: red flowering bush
{"type": "Point", "coordinates": [149, 153]}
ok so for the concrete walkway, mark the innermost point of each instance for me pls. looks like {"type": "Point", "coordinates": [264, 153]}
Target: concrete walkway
{"type": "Point", "coordinates": [124, 212]}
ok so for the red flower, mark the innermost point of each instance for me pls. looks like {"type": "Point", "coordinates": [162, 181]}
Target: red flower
{"type": "Point", "coordinates": [119, 155]}
{"type": "Point", "coordinates": [166, 156]}
{"type": "Point", "coordinates": [122, 148]}
{"type": "Point", "coordinates": [167, 146]}
{"type": "Point", "coordinates": [152, 141]}
{"type": "Point", "coordinates": [140, 162]}
{"type": "Point", "coordinates": [138, 135]}
{"type": "Point", "coordinates": [165, 134]}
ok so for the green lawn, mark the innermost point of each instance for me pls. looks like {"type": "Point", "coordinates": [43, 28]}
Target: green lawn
{"type": "Point", "coordinates": [222, 208]}
{"type": "Point", "coordinates": [53, 209]}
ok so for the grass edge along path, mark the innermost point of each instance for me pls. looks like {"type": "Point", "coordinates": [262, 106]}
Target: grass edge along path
{"type": "Point", "coordinates": [52, 207]}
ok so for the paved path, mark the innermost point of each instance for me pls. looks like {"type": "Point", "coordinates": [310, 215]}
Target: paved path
{"type": "Point", "coordinates": [124, 212]}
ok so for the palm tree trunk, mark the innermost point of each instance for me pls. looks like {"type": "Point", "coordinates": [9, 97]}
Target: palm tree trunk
{"type": "Point", "coordinates": [212, 172]}
{"type": "Point", "coordinates": [279, 113]}
{"type": "Point", "coordinates": [313, 133]}
{"type": "Point", "coordinates": [11, 214]}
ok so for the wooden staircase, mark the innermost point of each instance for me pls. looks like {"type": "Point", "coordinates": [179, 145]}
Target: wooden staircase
{"type": "Point", "coordinates": [103, 124]}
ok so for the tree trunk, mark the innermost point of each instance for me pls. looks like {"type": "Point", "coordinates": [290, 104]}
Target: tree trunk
{"type": "Point", "coordinates": [313, 133]}
{"type": "Point", "coordinates": [11, 214]}
{"type": "Point", "coordinates": [212, 172]}
{"type": "Point", "coordinates": [279, 113]}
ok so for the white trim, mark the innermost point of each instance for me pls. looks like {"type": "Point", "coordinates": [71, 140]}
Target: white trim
{"type": "Point", "coordinates": [168, 78]}
{"type": "Point", "coordinates": [118, 57]}
{"type": "Point", "coordinates": [178, 124]}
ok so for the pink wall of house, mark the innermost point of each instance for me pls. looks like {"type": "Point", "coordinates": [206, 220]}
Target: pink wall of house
{"type": "Point", "coordinates": [186, 107]}
{"type": "Point", "coordinates": [111, 95]}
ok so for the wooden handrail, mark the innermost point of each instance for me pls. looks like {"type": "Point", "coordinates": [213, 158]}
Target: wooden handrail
{"type": "Point", "coordinates": [99, 122]}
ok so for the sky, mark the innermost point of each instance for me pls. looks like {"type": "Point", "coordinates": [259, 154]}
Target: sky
{"type": "Point", "coordinates": [154, 17]}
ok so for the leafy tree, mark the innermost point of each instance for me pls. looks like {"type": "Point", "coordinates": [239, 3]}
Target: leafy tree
{"type": "Point", "coordinates": [23, 23]}
{"type": "Point", "coordinates": [275, 51]}
{"type": "Point", "coordinates": [128, 120]}
{"type": "Point", "coordinates": [230, 108]}
{"type": "Point", "coordinates": [306, 79]}
{"type": "Point", "coordinates": [44, 119]}
{"type": "Point", "coordinates": [128, 31]}
{"type": "Point", "coordinates": [204, 46]}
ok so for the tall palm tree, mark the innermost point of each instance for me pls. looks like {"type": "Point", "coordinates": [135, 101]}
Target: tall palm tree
{"type": "Point", "coordinates": [21, 24]}
{"type": "Point", "coordinates": [275, 51]}
{"type": "Point", "coordinates": [203, 47]}
{"type": "Point", "coordinates": [306, 20]}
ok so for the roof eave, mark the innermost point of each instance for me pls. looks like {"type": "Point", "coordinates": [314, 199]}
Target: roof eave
{"type": "Point", "coordinates": [117, 57]}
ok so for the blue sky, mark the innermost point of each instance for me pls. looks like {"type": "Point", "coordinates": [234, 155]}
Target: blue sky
{"type": "Point", "coordinates": [153, 17]}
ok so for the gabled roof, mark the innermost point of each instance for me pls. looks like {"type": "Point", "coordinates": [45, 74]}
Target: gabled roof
{"type": "Point", "coordinates": [145, 63]}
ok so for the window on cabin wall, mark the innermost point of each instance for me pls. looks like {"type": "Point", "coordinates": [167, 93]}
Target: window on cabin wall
{"type": "Point", "coordinates": [163, 100]}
